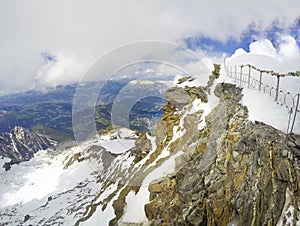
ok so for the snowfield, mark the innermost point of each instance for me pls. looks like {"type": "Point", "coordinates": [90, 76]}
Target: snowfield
{"type": "Point", "coordinates": [261, 106]}
{"type": "Point", "coordinates": [44, 188]}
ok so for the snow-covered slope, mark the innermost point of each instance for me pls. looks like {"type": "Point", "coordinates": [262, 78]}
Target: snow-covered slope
{"type": "Point", "coordinates": [86, 184]}
{"type": "Point", "coordinates": [55, 187]}
{"type": "Point", "coordinates": [114, 179]}
{"type": "Point", "coordinates": [59, 187]}
{"type": "Point", "coordinates": [262, 106]}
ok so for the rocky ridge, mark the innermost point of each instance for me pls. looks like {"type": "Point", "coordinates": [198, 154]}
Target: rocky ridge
{"type": "Point", "coordinates": [243, 174]}
{"type": "Point", "coordinates": [205, 164]}
{"type": "Point", "coordinates": [229, 170]}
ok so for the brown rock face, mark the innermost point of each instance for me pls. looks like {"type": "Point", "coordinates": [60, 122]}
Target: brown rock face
{"type": "Point", "coordinates": [245, 174]}
{"type": "Point", "coordinates": [141, 148]}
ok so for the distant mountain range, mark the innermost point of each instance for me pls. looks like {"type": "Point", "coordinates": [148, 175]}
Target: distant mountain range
{"type": "Point", "coordinates": [50, 112]}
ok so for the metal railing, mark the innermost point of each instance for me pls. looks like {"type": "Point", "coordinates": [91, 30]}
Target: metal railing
{"type": "Point", "coordinates": [247, 77]}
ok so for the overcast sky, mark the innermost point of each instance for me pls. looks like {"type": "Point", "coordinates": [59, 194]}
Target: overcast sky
{"type": "Point", "coordinates": [50, 42]}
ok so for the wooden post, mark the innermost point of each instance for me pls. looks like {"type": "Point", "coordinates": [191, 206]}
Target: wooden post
{"type": "Point", "coordinates": [241, 75]}
{"type": "Point", "coordinates": [249, 77]}
{"type": "Point", "coordinates": [260, 78]}
{"type": "Point", "coordinates": [296, 110]}
{"type": "Point", "coordinates": [235, 74]}
{"type": "Point", "coordinates": [277, 88]}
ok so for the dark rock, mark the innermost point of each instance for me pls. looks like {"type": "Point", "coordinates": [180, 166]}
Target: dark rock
{"type": "Point", "coordinates": [196, 92]}
{"type": "Point", "coordinates": [7, 166]}
{"type": "Point", "coordinates": [296, 151]}
{"type": "Point", "coordinates": [228, 91]}
{"type": "Point", "coordinates": [142, 147]}
{"type": "Point", "coordinates": [107, 158]}
{"type": "Point", "coordinates": [26, 218]}
{"type": "Point", "coordinates": [178, 97]}
{"type": "Point", "coordinates": [184, 79]}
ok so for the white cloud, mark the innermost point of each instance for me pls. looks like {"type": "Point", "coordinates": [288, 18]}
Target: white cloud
{"type": "Point", "coordinates": [83, 30]}
{"type": "Point", "coordinates": [238, 52]}
{"type": "Point", "coordinates": [263, 47]}
{"type": "Point", "coordinates": [288, 48]}
{"type": "Point", "coordinates": [64, 70]}
{"type": "Point", "coordinates": [283, 59]}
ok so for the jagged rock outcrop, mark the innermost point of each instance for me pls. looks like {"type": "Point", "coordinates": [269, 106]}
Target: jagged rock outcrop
{"type": "Point", "coordinates": [21, 144]}
{"type": "Point", "coordinates": [240, 173]}
{"type": "Point", "coordinates": [172, 124]}
{"type": "Point", "coordinates": [142, 147]}
{"type": "Point", "coordinates": [214, 75]}
{"type": "Point", "coordinates": [177, 97]}
{"type": "Point", "coordinates": [294, 144]}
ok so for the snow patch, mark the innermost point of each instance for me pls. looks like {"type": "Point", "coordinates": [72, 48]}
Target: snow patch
{"type": "Point", "coordinates": [138, 201]}
{"type": "Point", "coordinates": [262, 108]}
{"type": "Point", "coordinates": [118, 146]}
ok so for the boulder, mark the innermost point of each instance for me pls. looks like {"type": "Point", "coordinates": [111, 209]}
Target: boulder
{"type": "Point", "coordinates": [178, 97]}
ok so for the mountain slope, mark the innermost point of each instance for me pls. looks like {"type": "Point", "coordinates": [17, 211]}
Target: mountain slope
{"type": "Point", "coordinates": [245, 174]}
{"type": "Point", "coordinates": [20, 144]}
{"type": "Point", "coordinates": [206, 164]}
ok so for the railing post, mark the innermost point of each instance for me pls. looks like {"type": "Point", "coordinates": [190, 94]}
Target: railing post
{"type": "Point", "coordinates": [235, 74]}
{"type": "Point", "coordinates": [277, 88]}
{"type": "Point", "coordinates": [296, 110]}
{"type": "Point", "coordinates": [241, 75]}
{"type": "Point", "coordinates": [260, 78]}
{"type": "Point", "coordinates": [249, 77]}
